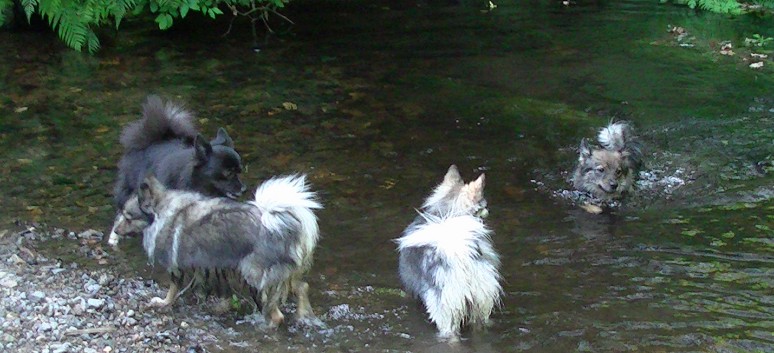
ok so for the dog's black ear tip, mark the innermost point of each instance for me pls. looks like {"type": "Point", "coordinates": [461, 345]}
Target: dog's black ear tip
{"type": "Point", "coordinates": [202, 147]}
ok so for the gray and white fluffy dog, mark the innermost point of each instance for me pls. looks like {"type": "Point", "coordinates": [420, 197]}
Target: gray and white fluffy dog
{"type": "Point", "coordinates": [447, 259]}
{"type": "Point", "coordinates": [268, 241]}
{"type": "Point", "coordinates": [165, 143]}
{"type": "Point", "coordinates": [609, 171]}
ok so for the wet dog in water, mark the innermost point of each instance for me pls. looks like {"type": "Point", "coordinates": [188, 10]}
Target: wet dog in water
{"type": "Point", "coordinates": [268, 241]}
{"type": "Point", "coordinates": [447, 259]}
{"type": "Point", "coordinates": [165, 143]}
{"type": "Point", "coordinates": [608, 172]}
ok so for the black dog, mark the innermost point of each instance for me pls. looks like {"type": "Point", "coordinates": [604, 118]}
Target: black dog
{"type": "Point", "coordinates": [165, 143]}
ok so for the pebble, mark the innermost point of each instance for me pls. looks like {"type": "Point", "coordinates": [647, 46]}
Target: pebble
{"type": "Point", "coordinates": [77, 309]}
{"type": "Point", "coordinates": [8, 283]}
{"type": "Point", "coordinates": [93, 288]}
{"type": "Point", "coordinates": [95, 303]}
{"type": "Point", "coordinates": [90, 233]}
{"type": "Point", "coordinates": [59, 347]}
{"type": "Point", "coordinates": [37, 296]}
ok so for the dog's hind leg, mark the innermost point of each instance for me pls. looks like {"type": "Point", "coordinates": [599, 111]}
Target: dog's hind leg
{"type": "Point", "coordinates": [301, 290]}
{"type": "Point", "coordinates": [304, 312]}
{"type": "Point", "coordinates": [271, 310]}
{"type": "Point", "coordinates": [157, 302]}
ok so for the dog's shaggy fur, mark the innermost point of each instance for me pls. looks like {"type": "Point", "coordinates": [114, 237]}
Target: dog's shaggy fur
{"type": "Point", "coordinates": [447, 259]}
{"type": "Point", "coordinates": [165, 143]}
{"type": "Point", "coordinates": [269, 241]}
{"type": "Point", "coordinates": [608, 172]}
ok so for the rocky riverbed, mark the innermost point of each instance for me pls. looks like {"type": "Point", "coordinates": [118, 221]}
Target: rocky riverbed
{"type": "Point", "coordinates": [52, 306]}
{"type": "Point", "coordinates": [99, 304]}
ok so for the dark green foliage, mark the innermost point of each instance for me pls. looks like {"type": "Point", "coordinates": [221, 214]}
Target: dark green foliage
{"type": "Point", "coordinates": [75, 20]}
{"type": "Point", "coordinates": [6, 11]}
{"type": "Point", "coordinates": [727, 6]}
{"type": "Point", "coordinates": [720, 6]}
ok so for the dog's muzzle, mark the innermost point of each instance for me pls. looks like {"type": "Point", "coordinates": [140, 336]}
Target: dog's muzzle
{"type": "Point", "coordinates": [608, 188]}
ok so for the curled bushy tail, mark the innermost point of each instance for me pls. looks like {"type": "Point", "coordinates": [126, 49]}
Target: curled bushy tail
{"type": "Point", "coordinates": [457, 277]}
{"type": "Point", "coordinates": [619, 137]}
{"type": "Point", "coordinates": [161, 121]}
{"type": "Point", "coordinates": [287, 203]}
{"type": "Point", "coordinates": [615, 136]}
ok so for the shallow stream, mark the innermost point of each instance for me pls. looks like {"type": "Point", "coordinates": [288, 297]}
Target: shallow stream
{"type": "Point", "coordinates": [375, 100]}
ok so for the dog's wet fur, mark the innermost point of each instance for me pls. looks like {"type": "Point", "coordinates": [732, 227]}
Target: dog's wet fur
{"type": "Point", "coordinates": [608, 172]}
{"type": "Point", "coordinates": [447, 259]}
{"type": "Point", "coordinates": [268, 242]}
{"type": "Point", "coordinates": [166, 144]}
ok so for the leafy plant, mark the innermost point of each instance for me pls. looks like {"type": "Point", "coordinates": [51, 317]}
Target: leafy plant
{"type": "Point", "coordinates": [727, 6]}
{"type": "Point", "coordinates": [720, 6]}
{"type": "Point", "coordinates": [758, 40]}
{"type": "Point", "coordinates": [75, 21]}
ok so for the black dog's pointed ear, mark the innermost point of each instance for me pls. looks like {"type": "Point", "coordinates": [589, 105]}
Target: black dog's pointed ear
{"type": "Point", "coordinates": [585, 151]}
{"type": "Point", "coordinates": [203, 148]}
{"type": "Point", "coordinates": [222, 139]}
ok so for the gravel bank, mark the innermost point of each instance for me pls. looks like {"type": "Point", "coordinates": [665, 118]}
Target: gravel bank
{"type": "Point", "coordinates": [96, 303]}
{"type": "Point", "coordinates": [50, 306]}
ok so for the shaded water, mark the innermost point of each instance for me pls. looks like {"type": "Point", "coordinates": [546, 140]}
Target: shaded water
{"type": "Point", "coordinates": [387, 96]}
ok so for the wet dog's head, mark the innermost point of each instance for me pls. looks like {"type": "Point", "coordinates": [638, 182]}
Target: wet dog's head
{"type": "Point", "coordinates": [454, 197]}
{"type": "Point", "coordinates": [218, 166]}
{"type": "Point", "coordinates": [604, 173]}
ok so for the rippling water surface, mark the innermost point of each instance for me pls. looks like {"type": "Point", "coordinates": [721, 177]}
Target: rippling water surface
{"type": "Point", "coordinates": [385, 96]}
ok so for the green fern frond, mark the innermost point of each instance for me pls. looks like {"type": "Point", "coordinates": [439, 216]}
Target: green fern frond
{"type": "Point", "coordinates": [719, 6]}
{"type": "Point", "coordinates": [69, 25]}
{"type": "Point", "coordinates": [6, 11]}
{"type": "Point", "coordinates": [29, 7]}
{"type": "Point", "coordinates": [92, 42]}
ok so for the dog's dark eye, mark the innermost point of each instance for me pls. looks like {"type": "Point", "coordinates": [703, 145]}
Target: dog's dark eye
{"type": "Point", "coordinates": [619, 172]}
{"type": "Point", "coordinates": [148, 216]}
{"type": "Point", "coordinates": [600, 169]}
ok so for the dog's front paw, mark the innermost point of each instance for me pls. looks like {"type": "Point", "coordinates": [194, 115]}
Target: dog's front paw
{"type": "Point", "coordinates": [157, 302]}
{"type": "Point", "coordinates": [449, 337]}
{"type": "Point", "coordinates": [591, 208]}
{"type": "Point", "coordinates": [275, 318]}
{"type": "Point", "coordinates": [113, 239]}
